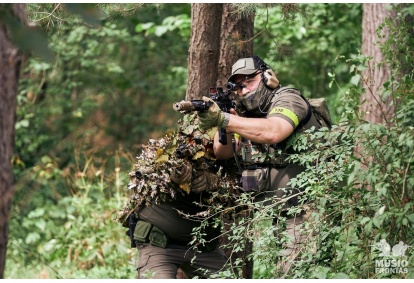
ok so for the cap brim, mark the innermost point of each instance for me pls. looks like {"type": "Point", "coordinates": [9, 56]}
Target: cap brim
{"type": "Point", "coordinates": [242, 72]}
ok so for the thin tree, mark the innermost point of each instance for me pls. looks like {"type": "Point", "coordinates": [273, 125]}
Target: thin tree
{"type": "Point", "coordinates": [373, 108]}
{"type": "Point", "coordinates": [10, 58]}
{"type": "Point", "coordinates": [219, 36]}
{"type": "Point", "coordinates": [203, 54]}
{"type": "Point", "coordinates": [236, 39]}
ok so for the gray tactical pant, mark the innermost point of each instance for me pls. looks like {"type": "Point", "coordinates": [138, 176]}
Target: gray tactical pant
{"type": "Point", "coordinates": [159, 263]}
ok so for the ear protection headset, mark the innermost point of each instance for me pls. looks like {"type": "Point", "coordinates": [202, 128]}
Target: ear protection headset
{"type": "Point", "coordinates": [268, 76]}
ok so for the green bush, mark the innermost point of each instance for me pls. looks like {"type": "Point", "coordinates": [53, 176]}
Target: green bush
{"type": "Point", "coordinates": [76, 236]}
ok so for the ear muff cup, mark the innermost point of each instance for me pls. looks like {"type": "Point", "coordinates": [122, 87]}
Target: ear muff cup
{"type": "Point", "coordinates": [269, 78]}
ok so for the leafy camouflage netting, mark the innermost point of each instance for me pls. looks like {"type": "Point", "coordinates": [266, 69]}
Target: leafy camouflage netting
{"type": "Point", "coordinates": [150, 181]}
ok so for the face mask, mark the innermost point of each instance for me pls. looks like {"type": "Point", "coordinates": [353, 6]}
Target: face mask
{"type": "Point", "coordinates": [257, 102]}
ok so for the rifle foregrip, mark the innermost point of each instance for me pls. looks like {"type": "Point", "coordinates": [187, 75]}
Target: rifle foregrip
{"type": "Point", "coordinates": [222, 136]}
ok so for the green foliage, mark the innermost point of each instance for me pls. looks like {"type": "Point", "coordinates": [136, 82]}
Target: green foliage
{"type": "Point", "coordinates": [303, 48]}
{"type": "Point", "coordinates": [102, 93]}
{"type": "Point", "coordinates": [180, 22]}
{"type": "Point", "coordinates": [75, 236]}
{"type": "Point", "coordinates": [95, 69]}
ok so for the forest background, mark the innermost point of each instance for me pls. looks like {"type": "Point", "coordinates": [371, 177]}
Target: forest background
{"type": "Point", "coordinates": [117, 69]}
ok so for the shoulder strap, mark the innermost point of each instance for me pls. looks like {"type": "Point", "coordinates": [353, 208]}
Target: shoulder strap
{"type": "Point", "coordinates": [296, 91]}
{"type": "Point", "coordinates": [308, 115]}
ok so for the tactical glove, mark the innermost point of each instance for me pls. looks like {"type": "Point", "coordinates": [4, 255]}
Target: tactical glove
{"type": "Point", "coordinates": [204, 181]}
{"type": "Point", "coordinates": [182, 173]}
{"type": "Point", "coordinates": [213, 116]}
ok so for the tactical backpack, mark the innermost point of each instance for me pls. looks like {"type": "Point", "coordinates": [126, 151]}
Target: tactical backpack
{"type": "Point", "coordinates": [321, 111]}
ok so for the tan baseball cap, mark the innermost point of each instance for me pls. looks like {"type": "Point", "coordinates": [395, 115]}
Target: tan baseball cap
{"type": "Point", "coordinates": [245, 66]}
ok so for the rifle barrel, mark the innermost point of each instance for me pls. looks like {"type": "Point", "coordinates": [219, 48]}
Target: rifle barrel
{"type": "Point", "coordinates": [183, 106]}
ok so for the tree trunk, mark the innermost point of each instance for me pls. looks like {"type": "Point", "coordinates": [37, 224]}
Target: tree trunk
{"type": "Point", "coordinates": [9, 77]}
{"type": "Point", "coordinates": [236, 42]}
{"type": "Point", "coordinates": [373, 109]}
{"type": "Point", "coordinates": [218, 38]}
{"type": "Point", "coordinates": [203, 56]}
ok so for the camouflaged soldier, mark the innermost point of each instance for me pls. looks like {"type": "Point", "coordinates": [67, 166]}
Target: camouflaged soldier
{"type": "Point", "coordinates": [268, 116]}
{"type": "Point", "coordinates": [159, 227]}
{"type": "Point", "coordinates": [162, 237]}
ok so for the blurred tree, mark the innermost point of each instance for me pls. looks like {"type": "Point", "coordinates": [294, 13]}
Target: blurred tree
{"type": "Point", "coordinates": [12, 16]}
{"type": "Point", "coordinates": [374, 107]}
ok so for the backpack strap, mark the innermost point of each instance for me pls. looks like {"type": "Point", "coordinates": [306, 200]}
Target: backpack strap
{"type": "Point", "coordinates": [306, 119]}
{"type": "Point", "coordinates": [297, 92]}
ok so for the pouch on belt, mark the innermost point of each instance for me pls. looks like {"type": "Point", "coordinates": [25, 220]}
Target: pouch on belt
{"type": "Point", "coordinates": [254, 180]}
{"type": "Point", "coordinates": [145, 232]}
{"type": "Point", "coordinates": [158, 238]}
{"type": "Point", "coordinates": [142, 231]}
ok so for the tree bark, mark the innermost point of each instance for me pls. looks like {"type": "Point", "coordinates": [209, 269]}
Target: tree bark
{"type": "Point", "coordinates": [237, 33]}
{"type": "Point", "coordinates": [373, 109]}
{"type": "Point", "coordinates": [203, 55]}
{"type": "Point", "coordinates": [9, 76]}
{"type": "Point", "coordinates": [218, 38]}
{"type": "Point", "coordinates": [204, 52]}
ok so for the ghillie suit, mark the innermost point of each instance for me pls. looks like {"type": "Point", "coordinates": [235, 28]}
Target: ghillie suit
{"type": "Point", "coordinates": [150, 181]}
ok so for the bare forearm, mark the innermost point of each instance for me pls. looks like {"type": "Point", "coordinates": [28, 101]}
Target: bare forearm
{"type": "Point", "coordinates": [261, 130]}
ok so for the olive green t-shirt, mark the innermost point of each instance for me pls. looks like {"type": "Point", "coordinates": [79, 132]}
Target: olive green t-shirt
{"type": "Point", "coordinates": [291, 107]}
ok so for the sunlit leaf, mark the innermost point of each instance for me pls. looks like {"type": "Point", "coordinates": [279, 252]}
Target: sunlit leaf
{"type": "Point", "coordinates": [198, 155]}
{"type": "Point", "coordinates": [185, 187]}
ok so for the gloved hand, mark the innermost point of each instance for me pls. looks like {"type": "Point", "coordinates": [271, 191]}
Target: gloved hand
{"type": "Point", "coordinates": [204, 181]}
{"type": "Point", "coordinates": [212, 117]}
{"type": "Point", "coordinates": [182, 174]}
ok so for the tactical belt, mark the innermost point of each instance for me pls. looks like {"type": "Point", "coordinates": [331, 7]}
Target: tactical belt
{"type": "Point", "coordinates": [145, 232]}
{"type": "Point", "coordinates": [277, 163]}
